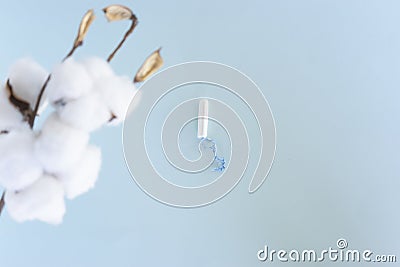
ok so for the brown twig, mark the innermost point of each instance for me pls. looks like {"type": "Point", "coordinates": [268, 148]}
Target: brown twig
{"type": "Point", "coordinates": [38, 100]}
{"type": "Point", "coordinates": [71, 52]}
{"type": "Point", "coordinates": [2, 203]}
{"type": "Point", "coordinates": [129, 32]}
{"type": "Point", "coordinates": [113, 117]}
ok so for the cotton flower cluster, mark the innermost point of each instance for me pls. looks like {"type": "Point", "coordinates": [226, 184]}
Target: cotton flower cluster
{"type": "Point", "coordinates": [39, 168]}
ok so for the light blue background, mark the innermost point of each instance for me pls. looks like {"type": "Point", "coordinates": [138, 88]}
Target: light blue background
{"type": "Point", "coordinates": [330, 71]}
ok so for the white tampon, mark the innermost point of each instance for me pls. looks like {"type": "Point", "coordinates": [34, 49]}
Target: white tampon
{"type": "Point", "coordinates": [202, 119]}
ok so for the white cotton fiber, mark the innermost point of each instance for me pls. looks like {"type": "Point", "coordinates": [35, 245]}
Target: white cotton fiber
{"type": "Point", "coordinates": [97, 67]}
{"type": "Point", "coordinates": [118, 93]}
{"type": "Point", "coordinates": [87, 112]}
{"type": "Point", "coordinates": [69, 80]}
{"type": "Point", "coordinates": [27, 78]}
{"type": "Point", "coordinates": [82, 177]}
{"type": "Point", "coordinates": [59, 145]}
{"type": "Point", "coordinates": [10, 117]}
{"type": "Point", "coordinates": [18, 166]}
{"type": "Point", "coordinates": [43, 200]}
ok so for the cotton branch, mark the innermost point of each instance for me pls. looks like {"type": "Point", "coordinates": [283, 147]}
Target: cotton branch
{"type": "Point", "coordinates": [23, 106]}
{"type": "Point", "coordinates": [119, 12]}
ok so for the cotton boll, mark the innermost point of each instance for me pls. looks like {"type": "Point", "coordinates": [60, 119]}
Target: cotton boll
{"type": "Point", "coordinates": [118, 93]}
{"type": "Point", "coordinates": [87, 112]}
{"type": "Point", "coordinates": [9, 120]}
{"type": "Point", "coordinates": [18, 166]}
{"type": "Point", "coordinates": [97, 67]}
{"type": "Point", "coordinates": [59, 145]}
{"type": "Point", "coordinates": [83, 175]}
{"type": "Point", "coordinates": [43, 200]}
{"type": "Point", "coordinates": [27, 78]}
{"type": "Point", "coordinates": [69, 80]}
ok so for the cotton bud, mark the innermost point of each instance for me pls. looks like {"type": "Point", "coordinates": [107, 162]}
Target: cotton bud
{"type": "Point", "coordinates": [43, 200]}
{"type": "Point", "coordinates": [153, 63]}
{"type": "Point", "coordinates": [117, 93]}
{"type": "Point", "coordinates": [18, 166]}
{"type": "Point", "coordinates": [82, 177]}
{"type": "Point", "coordinates": [27, 78]}
{"type": "Point", "coordinates": [59, 145]}
{"type": "Point", "coordinates": [84, 27]}
{"type": "Point", "coordinates": [69, 80]}
{"type": "Point", "coordinates": [87, 113]}
{"type": "Point", "coordinates": [117, 12]}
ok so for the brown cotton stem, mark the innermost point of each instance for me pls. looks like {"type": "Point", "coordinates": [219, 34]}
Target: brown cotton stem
{"type": "Point", "coordinates": [2, 201]}
{"type": "Point", "coordinates": [70, 52]}
{"type": "Point", "coordinates": [129, 32]}
{"type": "Point", "coordinates": [37, 105]}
